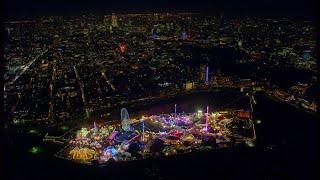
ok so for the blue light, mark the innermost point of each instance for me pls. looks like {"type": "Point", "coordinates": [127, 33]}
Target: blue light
{"type": "Point", "coordinates": [207, 75]}
{"type": "Point", "coordinates": [111, 150]}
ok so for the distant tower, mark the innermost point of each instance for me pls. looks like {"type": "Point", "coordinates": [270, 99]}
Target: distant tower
{"type": "Point", "coordinates": [142, 122]}
{"type": "Point", "coordinates": [114, 20]}
{"type": "Point", "coordinates": [207, 118]}
{"type": "Point", "coordinates": [204, 73]}
{"type": "Point", "coordinates": [207, 74]}
{"type": "Point", "coordinates": [95, 127]}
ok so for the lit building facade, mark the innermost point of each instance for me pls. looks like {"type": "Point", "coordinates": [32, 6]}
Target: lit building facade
{"type": "Point", "coordinates": [114, 20]}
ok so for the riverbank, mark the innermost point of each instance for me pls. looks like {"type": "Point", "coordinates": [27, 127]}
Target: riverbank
{"type": "Point", "coordinates": [285, 148]}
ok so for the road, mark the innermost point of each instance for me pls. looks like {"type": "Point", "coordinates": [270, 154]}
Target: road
{"type": "Point", "coordinates": [109, 83]}
{"type": "Point", "coordinates": [51, 90]}
{"type": "Point", "coordinates": [82, 92]}
{"type": "Point", "coordinates": [26, 67]}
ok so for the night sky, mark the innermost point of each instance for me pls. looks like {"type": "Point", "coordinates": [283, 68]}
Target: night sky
{"type": "Point", "coordinates": [20, 9]}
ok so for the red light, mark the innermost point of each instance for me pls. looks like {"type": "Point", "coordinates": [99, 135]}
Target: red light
{"type": "Point", "coordinates": [122, 48]}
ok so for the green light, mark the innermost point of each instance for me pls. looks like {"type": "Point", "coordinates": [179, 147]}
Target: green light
{"type": "Point", "coordinates": [33, 131]}
{"type": "Point", "coordinates": [64, 128]}
{"type": "Point", "coordinates": [250, 143]}
{"type": "Point", "coordinates": [258, 121]}
{"type": "Point", "coordinates": [35, 150]}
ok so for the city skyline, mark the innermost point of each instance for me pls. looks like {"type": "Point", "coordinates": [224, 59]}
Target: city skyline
{"type": "Point", "coordinates": [17, 9]}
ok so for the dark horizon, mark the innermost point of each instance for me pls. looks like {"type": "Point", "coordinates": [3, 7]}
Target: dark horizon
{"type": "Point", "coordinates": [24, 9]}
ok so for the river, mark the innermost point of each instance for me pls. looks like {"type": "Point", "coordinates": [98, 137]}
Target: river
{"type": "Point", "coordinates": [285, 147]}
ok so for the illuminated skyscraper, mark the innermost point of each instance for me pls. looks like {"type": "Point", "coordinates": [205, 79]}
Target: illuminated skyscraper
{"type": "Point", "coordinates": [114, 20]}
{"type": "Point", "coordinates": [207, 75]}
{"type": "Point", "coordinates": [204, 73]}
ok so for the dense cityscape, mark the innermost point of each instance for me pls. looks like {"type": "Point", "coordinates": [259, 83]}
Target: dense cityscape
{"type": "Point", "coordinates": [67, 78]}
{"type": "Point", "coordinates": [59, 67]}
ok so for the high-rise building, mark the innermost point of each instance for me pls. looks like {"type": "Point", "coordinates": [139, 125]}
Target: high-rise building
{"type": "Point", "coordinates": [114, 20]}
{"type": "Point", "coordinates": [207, 75]}
{"type": "Point", "coordinates": [204, 73]}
